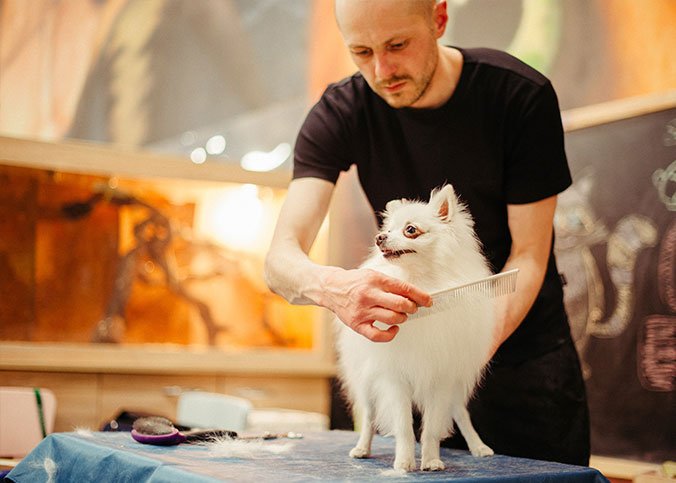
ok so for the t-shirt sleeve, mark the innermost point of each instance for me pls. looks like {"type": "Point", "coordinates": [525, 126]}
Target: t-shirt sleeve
{"type": "Point", "coordinates": [536, 166]}
{"type": "Point", "coordinates": [321, 149]}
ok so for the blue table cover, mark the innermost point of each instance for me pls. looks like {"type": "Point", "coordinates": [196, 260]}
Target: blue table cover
{"type": "Point", "coordinates": [323, 456]}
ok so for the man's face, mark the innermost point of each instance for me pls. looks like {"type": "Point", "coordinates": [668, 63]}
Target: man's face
{"type": "Point", "coordinates": [394, 45]}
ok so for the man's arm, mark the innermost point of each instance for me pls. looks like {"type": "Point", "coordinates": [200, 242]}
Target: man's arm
{"type": "Point", "coordinates": [357, 297]}
{"type": "Point", "coordinates": [531, 229]}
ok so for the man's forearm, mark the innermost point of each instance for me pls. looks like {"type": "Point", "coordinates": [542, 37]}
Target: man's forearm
{"type": "Point", "coordinates": [289, 272]}
{"type": "Point", "coordinates": [513, 308]}
{"type": "Point", "coordinates": [531, 229]}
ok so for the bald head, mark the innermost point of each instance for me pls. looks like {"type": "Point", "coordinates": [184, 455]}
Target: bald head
{"type": "Point", "coordinates": [423, 8]}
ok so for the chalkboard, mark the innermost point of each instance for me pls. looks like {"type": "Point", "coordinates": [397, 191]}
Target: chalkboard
{"type": "Point", "coordinates": [616, 248]}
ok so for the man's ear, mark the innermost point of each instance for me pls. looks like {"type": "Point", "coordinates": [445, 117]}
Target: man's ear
{"type": "Point", "coordinates": [444, 202]}
{"type": "Point", "coordinates": [440, 18]}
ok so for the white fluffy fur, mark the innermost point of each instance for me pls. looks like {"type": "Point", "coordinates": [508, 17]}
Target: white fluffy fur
{"type": "Point", "coordinates": [433, 363]}
{"type": "Point", "coordinates": [246, 449]}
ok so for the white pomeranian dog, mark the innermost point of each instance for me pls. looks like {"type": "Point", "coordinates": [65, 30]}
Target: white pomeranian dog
{"type": "Point", "coordinates": [435, 362]}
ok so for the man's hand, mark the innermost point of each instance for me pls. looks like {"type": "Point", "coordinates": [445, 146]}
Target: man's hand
{"type": "Point", "coordinates": [360, 297]}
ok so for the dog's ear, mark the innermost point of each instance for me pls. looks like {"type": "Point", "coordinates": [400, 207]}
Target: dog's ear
{"type": "Point", "coordinates": [393, 205]}
{"type": "Point", "coordinates": [444, 202]}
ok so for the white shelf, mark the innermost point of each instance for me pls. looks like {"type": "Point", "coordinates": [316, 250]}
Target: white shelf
{"type": "Point", "coordinates": [107, 160]}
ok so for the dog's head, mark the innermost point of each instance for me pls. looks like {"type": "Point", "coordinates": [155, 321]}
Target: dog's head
{"type": "Point", "coordinates": [413, 229]}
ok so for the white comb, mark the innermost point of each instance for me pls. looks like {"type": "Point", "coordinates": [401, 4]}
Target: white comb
{"type": "Point", "coordinates": [491, 287]}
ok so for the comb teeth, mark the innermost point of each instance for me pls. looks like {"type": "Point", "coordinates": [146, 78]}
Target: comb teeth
{"type": "Point", "coordinates": [489, 287]}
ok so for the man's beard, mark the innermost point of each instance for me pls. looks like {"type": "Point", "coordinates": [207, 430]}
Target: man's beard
{"type": "Point", "coordinates": [406, 98]}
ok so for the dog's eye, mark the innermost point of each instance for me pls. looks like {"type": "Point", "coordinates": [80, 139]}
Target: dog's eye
{"type": "Point", "coordinates": [411, 231]}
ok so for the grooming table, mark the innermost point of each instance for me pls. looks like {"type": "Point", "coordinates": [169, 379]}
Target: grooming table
{"type": "Point", "coordinates": [322, 456]}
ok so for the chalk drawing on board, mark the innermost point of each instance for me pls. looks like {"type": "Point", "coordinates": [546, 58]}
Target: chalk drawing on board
{"type": "Point", "coordinates": [578, 229]}
{"type": "Point", "coordinates": [656, 361]}
{"type": "Point", "coordinates": [657, 339]}
{"type": "Point", "coordinates": [666, 268]}
{"type": "Point", "coordinates": [632, 234]}
{"type": "Point", "coordinates": [663, 179]}
{"type": "Point", "coordinates": [669, 136]}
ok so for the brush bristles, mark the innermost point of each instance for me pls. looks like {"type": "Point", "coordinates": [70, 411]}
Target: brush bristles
{"type": "Point", "coordinates": [153, 425]}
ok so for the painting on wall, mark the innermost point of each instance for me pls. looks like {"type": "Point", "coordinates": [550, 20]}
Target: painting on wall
{"type": "Point", "coordinates": [167, 73]}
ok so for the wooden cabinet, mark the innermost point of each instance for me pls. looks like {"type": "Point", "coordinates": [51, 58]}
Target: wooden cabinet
{"type": "Point", "coordinates": [88, 401]}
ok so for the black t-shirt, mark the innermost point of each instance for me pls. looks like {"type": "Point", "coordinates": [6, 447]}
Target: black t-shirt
{"type": "Point", "coordinates": [498, 141]}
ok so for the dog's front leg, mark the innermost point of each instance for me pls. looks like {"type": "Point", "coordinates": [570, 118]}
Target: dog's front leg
{"type": "Point", "coordinates": [363, 448]}
{"type": "Point", "coordinates": [430, 459]}
{"type": "Point", "coordinates": [436, 421]}
{"type": "Point", "coordinates": [404, 458]}
{"type": "Point", "coordinates": [396, 403]}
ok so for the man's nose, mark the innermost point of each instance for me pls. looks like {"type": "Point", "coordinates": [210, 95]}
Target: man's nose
{"type": "Point", "coordinates": [380, 238]}
{"type": "Point", "coordinates": [384, 69]}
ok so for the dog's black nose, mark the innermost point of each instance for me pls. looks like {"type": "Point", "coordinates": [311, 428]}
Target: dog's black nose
{"type": "Point", "coordinates": [380, 238]}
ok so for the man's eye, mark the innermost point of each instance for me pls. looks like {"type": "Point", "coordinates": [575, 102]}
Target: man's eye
{"type": "Point", "coordinates": [361, 53]}
{"type": "Point", "coordinates": [397, 46]}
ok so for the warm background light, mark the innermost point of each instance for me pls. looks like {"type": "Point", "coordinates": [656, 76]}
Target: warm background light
{"type": "Point", "coordinates": [231, 217]}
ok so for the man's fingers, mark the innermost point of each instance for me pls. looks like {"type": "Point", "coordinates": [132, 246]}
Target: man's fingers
{"type": "Point", "coordinates": [397, 303]}
{"type": "Point", "coordinates": [404, 289]}
{"type": "Point", "coordinates": [387, 316]}
{"type": "Point", "coordinates": [372, 295]}
{"type": "Point", "coordinates": [375, 334]}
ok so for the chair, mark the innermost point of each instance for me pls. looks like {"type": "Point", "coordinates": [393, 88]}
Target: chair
{"type": "Point", "coordinates": [21, 424]}
{"type": "Point", "coordinates": [199, 409]}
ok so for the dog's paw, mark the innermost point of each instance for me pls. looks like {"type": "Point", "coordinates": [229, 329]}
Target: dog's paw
{"type": "Point", "coordinates": [404, 464]}
{"type": "Point", "coordinates": [432, 465]}
{"type": "Point", "coordinates": [482, 450]}
{"type": "Point", "coordinates": [358, 452]}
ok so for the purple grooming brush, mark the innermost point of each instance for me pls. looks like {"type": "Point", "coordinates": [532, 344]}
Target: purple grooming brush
{"type": "Point", "coordinates": [159, 431]}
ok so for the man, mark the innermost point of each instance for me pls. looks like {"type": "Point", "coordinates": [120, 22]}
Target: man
{"type": "Point", "coordinates": [417, 115]}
